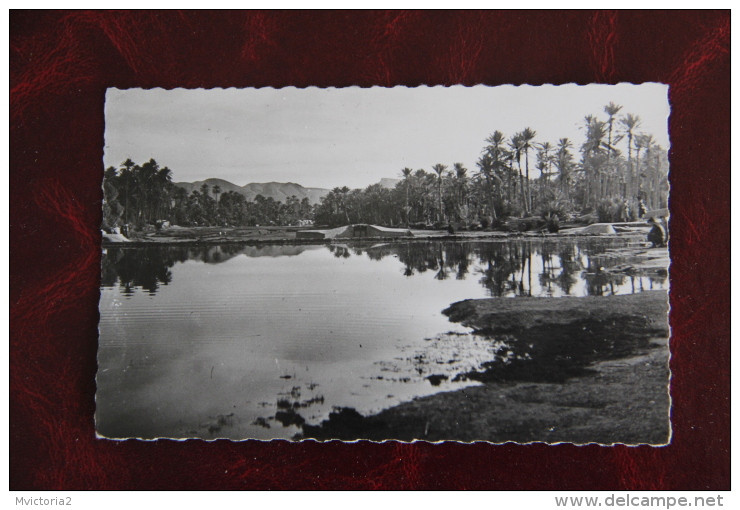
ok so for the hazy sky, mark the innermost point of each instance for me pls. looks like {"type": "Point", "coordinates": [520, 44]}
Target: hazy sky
{"type": "Point", "coordinates": [351, 136]}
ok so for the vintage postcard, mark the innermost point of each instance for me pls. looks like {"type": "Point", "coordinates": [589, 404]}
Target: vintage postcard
{"type": "Point", "coordinates": [432, 263]}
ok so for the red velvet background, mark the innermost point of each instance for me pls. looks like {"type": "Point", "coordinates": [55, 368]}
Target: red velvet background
{"type": "Point", "coordinates": [60, 66]}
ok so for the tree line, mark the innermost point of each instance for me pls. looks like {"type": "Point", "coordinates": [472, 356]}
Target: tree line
{"type": "Point", "coordinates": [141, 195]}
{"type": "Point", "coordinates": [616, 174]}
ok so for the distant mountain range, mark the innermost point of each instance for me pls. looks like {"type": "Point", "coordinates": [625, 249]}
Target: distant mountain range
{"type": "Point", "coordinates": [278, 191]}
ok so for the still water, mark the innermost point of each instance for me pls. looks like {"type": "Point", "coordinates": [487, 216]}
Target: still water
{"type": "Point", "coordinates": [240, 342]}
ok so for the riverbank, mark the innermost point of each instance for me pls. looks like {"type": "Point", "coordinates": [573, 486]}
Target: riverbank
{"type": "Point", "coordinates": [577, 370]}
{"type": "Point", "coordinates": [277, 235]}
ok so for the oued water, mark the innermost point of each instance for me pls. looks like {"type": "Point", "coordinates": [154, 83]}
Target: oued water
{"type": "Point", "coordinates": [239, 342]}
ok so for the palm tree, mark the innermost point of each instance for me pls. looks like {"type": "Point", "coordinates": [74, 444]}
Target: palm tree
{"type": "Point", "coordinates": [422, 183]}
{"type": "Point", "coordinates": [658, 184]}
{"type": "Point", "coordinates": [164, 190]}
{"type": "Point", "coordinates": [180, 197]}
{"type": "Point", "coordinates": [527, 137]}
{"type": "Point", "coordinates": [216, 190]}
{"type": "Point", "coordinates": [611, 110]}
{"type": "Point", "coordinates": [642, 141]}
{"type": "Point", "coordinates": [461, 195]}
{"type": "Point", "coordinates": [592, 150]}
{"type": "Point", "coordinates": [545, 149]}
{"type": "Point", "coordinates": [517, 144]}
{"type": "Point", "coordinates": [650, 165]}
{"type": "Point", "coordinates": [127, 177]}
{"type": "Point", "coordinates": [563, 161]}
{"type": "Point", "coordinates": [485, 164]}
{"type": "Point", "coordinates": [344, 191]}
{"type": "Point", "coordinates": [406, 172]}
{"type": "Point", "coordinates": [205, 198]}
{"type": "Point", "coordinates": [497, 152]}
{"type": "Point", "coordinates": [146, 187]}
{"type": "Point", "coordinates": [629, 124]}
{"type": "Point", "coordinates": [439, 169]}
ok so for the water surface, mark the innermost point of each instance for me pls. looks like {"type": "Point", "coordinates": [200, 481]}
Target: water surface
{"type": "Point", "coordinates": [243, 342]}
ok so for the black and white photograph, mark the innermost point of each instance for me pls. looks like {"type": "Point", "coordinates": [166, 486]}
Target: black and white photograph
{"type": "Point", "coordinates": [430, 263]}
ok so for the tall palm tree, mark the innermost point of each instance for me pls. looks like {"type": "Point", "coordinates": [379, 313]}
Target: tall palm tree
{"type": "Point", "coordinates": [439, 169]}
{"type": "Point", "coordinates": [164, 185]}
{"type": "Point", "coordinates": [563, 161]}
{"type": "Point", "coordinates": [612, 109]}
{"type": "Point", "coordinates": [406, 172]}
{"type": "Point", "coordinates": [516, 143]}
{"type": "Point", "coordinates": [344, 190]}
{"type": "Point", "coordinates": [640, 144]}
{"type": "Point", "coordinates": [545, 149]}
{"type": "Point", "coordinates": [652, 161]}
{"type": "Point", "coordinates": [485, 164]}
{"type": "Point", "coordinates": [646, 142]}
{"type": "Point", "coordinates": [216, 190]}
{"type": "Point", "coordinates": [146, 187]}
{"type": "Point", "coordinates": [657, 195]}
{"type": "Point", "coordinates": [629, 124]}
{"type": "Point", "coordinates": [527, 137]}
{"type": "Point", "coordinates": [461, 185]}
{"type": "Point", "coordinates": [127, 177]}
{"type": "Point", "coordinates": [497, 152]}
{"type": "Point", "coordinates": [206, 199]}
{"type": "Point", "coordinates": [592, 149]}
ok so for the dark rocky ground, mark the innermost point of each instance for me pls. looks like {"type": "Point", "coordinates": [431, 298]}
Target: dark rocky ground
{"type": "Point", "coordinates": [583, 370]}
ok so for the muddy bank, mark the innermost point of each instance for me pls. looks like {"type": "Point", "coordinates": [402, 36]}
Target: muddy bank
{"type": "Point", "coordinates": [645, 311]}
{"type": "Point", "coordinates": [563, 370]}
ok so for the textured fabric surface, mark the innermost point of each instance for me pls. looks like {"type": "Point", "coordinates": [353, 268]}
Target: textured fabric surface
{"type": "Point", "coordinates": [60, 66]}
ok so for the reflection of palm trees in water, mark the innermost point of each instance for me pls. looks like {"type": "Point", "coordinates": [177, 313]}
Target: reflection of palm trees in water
{"type": "Point", "coordinates": [560, 264]}
{"type": "Point", "coordinates": [442, 271]}
{"type": "Point", "coordinates": [502, 261]}
{"type": "Point", "coordinates": [435, 256]}
{"type": "Point", "coordinates": [145, 268]}
{"type": "Point", "coordinates": [569, 266]}
{"type": "Point", "coordinates": [405, 256]}
{"type": "Point", "coordinates": [547, 276]}
{"type": "Point", "coordinates": [417, 257]}
{"type": "Point", "coordinates": [526, 260]}
{"type": "Point", "coordinates": [459, 257]}
{"type": "Point", "coordinates": [503, 268]}
{"type": "Point", "coordinates": [508, 267]}
{"type": "Point", "coordinates": [149, 267]}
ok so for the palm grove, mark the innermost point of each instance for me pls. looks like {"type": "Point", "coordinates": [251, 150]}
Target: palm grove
{"type": "Point", "coordinates": [617, 173]}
